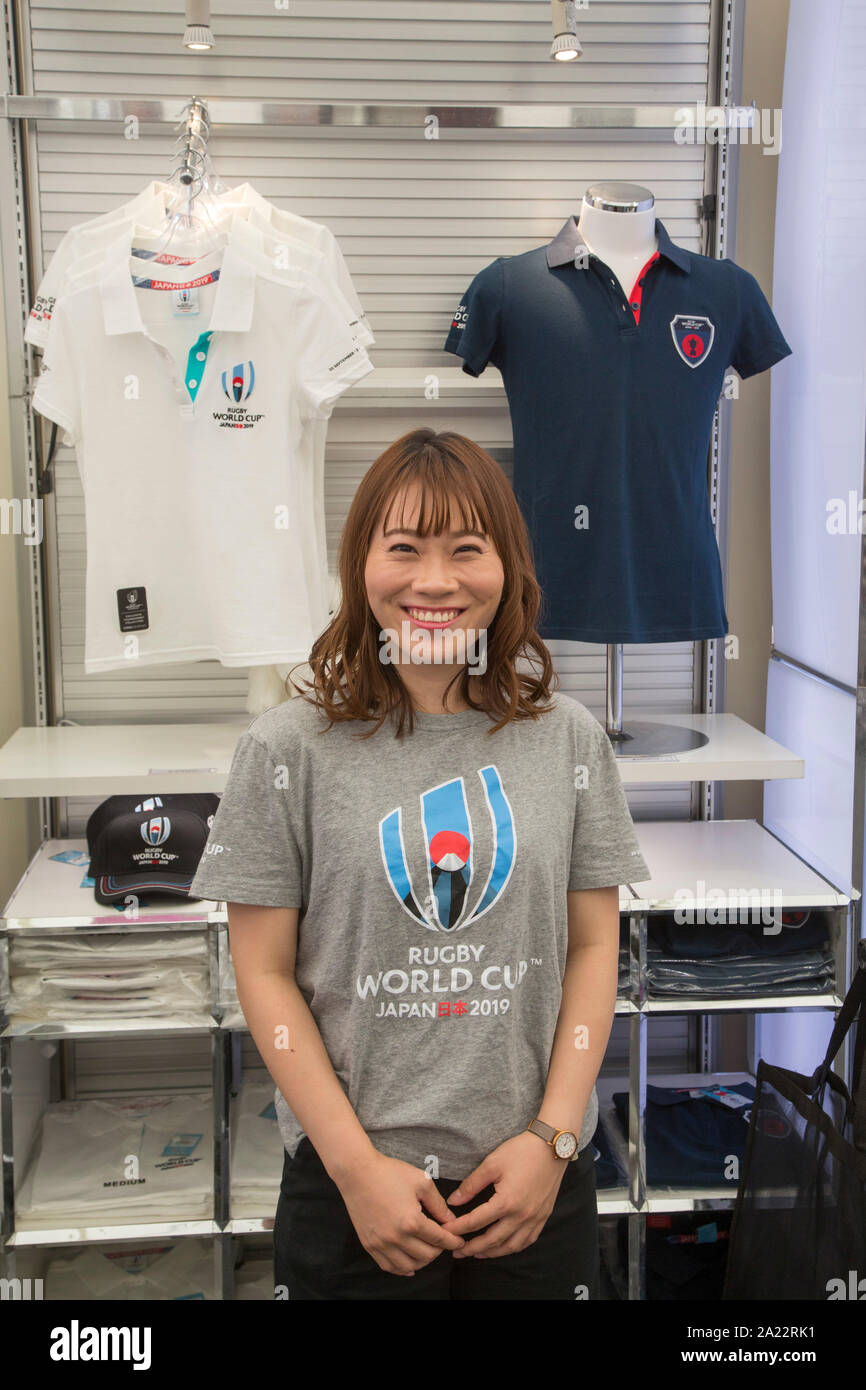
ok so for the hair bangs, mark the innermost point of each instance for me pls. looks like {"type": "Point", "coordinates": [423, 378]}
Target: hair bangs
{"type": "Point", "coordinates": [440, 482]}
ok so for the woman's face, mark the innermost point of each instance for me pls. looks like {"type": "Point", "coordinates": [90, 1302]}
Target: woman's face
{"type": "Point", "coordinates": [453, 581]}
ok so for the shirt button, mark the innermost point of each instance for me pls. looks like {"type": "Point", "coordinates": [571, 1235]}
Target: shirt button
{"type": "Point", "coordinates": [199, 356]}
{"type": "Point", "coordinates": [635, 305]}
{"type": "Point", "coordinates": [192, 383]}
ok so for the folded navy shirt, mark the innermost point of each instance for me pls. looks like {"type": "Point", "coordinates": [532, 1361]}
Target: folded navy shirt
{"type": "Point", "coordinates": [690, 1140]}
{"type": "Point", "coordinates": [694, 940]}
{"type": "Point", "coordinates": [802, 972]}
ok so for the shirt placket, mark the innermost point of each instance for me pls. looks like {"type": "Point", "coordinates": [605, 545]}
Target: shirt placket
{"type": "Point", "coordinates": [635, 299]}
{"type": "Point", "coordinates": [626, 321]}
{"type": "Point", "coordinates": [186, 388]}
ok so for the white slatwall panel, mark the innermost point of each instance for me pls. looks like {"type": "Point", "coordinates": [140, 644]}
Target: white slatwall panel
{"type": "Point", "coordinates": [416, 219]}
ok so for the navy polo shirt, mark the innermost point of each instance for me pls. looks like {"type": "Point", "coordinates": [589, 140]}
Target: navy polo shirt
{"type": "Point", "coordinates": [612, 403]}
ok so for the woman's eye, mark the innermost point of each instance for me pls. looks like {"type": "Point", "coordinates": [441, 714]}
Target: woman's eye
{"type": "Point", "coordinates": [404, 545]}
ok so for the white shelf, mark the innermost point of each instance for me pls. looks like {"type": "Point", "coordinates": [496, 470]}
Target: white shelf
{"type": "Point", "coordinates": [250, 1225]}
{"type": "Point", "coordinates": [735, 753]}
{"type": "Point", "coordinates": [124, 1028]}
{"type": "Point", "coordinates": [744, 1003]}
{"type": "Point", "coordinates": [704, 858]}
{"type": "Point", "coordinates": [50, 895]}
{"type": "Point", "coordinates": [104, 759]}
{"type": "Point", "coordinates": [28, 1232]}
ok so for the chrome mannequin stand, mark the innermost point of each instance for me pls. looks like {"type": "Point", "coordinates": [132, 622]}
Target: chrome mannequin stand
{"type": "Point", "coordinates": [640, 739]}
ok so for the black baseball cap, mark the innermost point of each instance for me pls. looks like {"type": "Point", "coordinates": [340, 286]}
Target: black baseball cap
{"type": "Point", "coordinates": [148, 844]}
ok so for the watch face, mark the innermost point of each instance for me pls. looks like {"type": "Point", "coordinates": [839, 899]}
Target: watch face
{"type": "Point", "coordinates": [565, 1144]}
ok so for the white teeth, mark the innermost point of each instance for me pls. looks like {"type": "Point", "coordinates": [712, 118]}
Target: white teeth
{"type": "Point", "coordinates": [427, 615]}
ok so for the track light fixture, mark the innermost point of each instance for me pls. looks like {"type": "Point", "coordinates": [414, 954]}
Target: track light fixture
{"type": "Point", "coordinates": [197, 35]}
{"type": "Point", "coordinates": [566, 45]}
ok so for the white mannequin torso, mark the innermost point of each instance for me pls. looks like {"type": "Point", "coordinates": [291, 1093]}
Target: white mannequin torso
{"type": "Point", "coordinates": [623, 240]}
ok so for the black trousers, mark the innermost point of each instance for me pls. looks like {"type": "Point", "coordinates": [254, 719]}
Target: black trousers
{"type": "Point", "coordinates": [317, 1253]}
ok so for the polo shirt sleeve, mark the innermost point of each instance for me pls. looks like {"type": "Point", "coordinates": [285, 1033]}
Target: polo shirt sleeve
{"type": "Point", "coordinates": [759, 343]}
{"type": "Point", "coordinates": [252, 853]}
{"type": "Point", "coordinates": [475, 329]}
{"type": "Point", "coordinates": [51, 286]}
{"type": "Point", "coordinates": [331, 359]}
{"type": "Point", "coordinates": [339, 273]}
{"type": "Point", "coordinates": [605, 850]}
{"type": "Point", "coordinates": [57, 393]}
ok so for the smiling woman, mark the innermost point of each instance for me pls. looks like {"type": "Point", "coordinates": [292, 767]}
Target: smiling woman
{"type": "Point", "coordinates": [431, 916]}
{"type": "Point", "coordinates": [434, 543]}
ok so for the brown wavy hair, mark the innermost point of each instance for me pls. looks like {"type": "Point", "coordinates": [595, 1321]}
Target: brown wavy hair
{"type": "Point", "coordinates": [350, 682]}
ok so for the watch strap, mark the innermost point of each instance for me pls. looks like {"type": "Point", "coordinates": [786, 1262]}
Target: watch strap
{"type": "Point", "coordinates": [544, 1131]}
{"type": "Point", "coordinates": [549, 1133]}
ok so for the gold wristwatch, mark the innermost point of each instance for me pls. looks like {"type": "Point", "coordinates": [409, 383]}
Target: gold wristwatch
{"type": "Point", "coordinates": [562, 1141]}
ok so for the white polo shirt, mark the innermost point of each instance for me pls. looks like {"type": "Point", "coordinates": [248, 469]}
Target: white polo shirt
{"type": "Point", "coordinates": [193, 443]}
{"type": "Point", "coordinates": [286, 258]}
{"type": "Point", "coordinates": [283, 240]}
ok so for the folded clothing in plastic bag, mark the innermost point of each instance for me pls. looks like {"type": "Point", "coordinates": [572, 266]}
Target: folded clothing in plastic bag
{"type": "Point", "coordinates": [807, 972]}
{"type": "Point", "coordinates": [257, 1147]}
{"type": "Point", "coordinates": [726, 961]}
{"type": "Point", "coordinates": [142, 1155]}
{"type": "Point", "coordinates": [181, 1271]}
{"type": "Point", "coordinates": [88, 949]}
{"type": "Point", "coordinates": [139, 975]}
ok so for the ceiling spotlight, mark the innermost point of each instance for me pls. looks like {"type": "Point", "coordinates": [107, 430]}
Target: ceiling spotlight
{"type": "Point", "coordinates": [566, 45]}
{"type": "Point", "coordinates": [197, 35]}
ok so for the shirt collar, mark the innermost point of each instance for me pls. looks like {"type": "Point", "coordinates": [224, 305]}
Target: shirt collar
{"type": "Point", "coordinates": [243, 195]}
{"type": "Point", "coordinates": [561, 250]}
{"type": "Point", "coordinates": [233, 301]}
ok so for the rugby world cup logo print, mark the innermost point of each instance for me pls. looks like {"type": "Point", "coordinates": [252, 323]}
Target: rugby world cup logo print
{"type": "Point", "coordinates": [237, 384]}
{"type": "Point", "coordinates": [156, 830]}
{"type": "Point", "coordinates": [451, 867]}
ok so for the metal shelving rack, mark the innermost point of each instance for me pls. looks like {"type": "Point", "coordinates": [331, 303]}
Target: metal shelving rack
{"type": "Point", "coordinates": [726, 851]}
{"type": "Point", "coordinates": [46, 763]}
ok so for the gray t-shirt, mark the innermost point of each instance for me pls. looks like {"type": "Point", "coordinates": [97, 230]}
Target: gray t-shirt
{"type": "Point", "coordinates": [430, 873]}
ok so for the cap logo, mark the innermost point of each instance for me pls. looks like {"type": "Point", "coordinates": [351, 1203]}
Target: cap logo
{"type": "Point", "coordinates": [156, 830]}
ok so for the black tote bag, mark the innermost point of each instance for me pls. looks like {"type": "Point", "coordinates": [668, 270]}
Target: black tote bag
{"type": "Point", "coordinates": [799, 1224]}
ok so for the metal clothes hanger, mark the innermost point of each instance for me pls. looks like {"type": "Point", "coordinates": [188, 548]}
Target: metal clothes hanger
{"type": "Point", "coordinates": [196, 223]}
